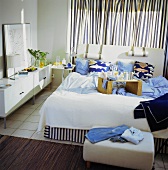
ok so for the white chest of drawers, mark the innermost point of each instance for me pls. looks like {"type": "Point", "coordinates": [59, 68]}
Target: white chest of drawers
{"type": "Point", "coordinates": [22, 89]}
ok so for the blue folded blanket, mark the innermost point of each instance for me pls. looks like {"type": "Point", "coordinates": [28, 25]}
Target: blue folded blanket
{"type": "Point", "coordinates": [155, 111]}
{"type": "Point", "coordinates": [139, 112]}
{"type": "Point", "coordinates": [99, 134]}
{"type": "Point", "coordinates": [121, 91]}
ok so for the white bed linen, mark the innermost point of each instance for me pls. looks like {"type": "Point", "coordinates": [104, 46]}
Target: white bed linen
{"type": "Point", "coordinates": [68, 108]}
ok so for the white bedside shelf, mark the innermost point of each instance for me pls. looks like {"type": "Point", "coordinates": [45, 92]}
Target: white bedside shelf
{"type": "Point", "coordinates": [61, 67]}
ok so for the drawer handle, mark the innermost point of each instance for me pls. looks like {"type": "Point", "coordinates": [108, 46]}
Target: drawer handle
{"type": "Point", "coordinates": [44, 78]}
{"type": "Point", "coordinates": [21, 93]}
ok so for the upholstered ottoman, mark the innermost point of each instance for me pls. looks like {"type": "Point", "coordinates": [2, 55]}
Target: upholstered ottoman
{"type": "Point", "coordinates": [127, 155]}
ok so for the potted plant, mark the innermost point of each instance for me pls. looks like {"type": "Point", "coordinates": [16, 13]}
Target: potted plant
{"type": "Point", "coordinates": [43, 60]}
{"type": "Point", "coordinates": [39, 56]}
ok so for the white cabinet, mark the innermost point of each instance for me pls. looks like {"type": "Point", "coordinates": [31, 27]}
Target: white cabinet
{"type": "Point", "coordinates": [15, 95]}
{"type": "Point", "coordinates": [42, 78]}
{"type": "Point", "coordinates": [27, 87]}
{"type": "Point", "coordinates": [22, 89]}
{"type": "Point", "coordinates": [6, 100]}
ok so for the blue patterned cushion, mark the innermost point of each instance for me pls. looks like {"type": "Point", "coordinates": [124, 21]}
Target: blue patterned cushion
{"type": "Point", "coordinates": [98, 66]}
{"type": "Point", "coordinates": [82, 66]}
{"type": "Point", "coordinates": [143, 71]}
{"type": "Point", "coordinates": [122, 67]}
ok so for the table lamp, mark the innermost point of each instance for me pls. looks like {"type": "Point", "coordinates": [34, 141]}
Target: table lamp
{"type": "Point", "coordinates": [13, 62]}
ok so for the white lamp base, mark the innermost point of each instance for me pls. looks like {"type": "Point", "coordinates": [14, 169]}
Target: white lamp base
{"type": "Point", "coordinates": [13, 76]}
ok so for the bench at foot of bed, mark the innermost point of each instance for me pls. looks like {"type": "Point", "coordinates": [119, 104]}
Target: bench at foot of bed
{"type": "Point", "coordinates": [126, 155]}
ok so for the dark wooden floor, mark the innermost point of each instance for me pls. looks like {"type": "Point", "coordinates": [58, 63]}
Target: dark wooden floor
{"type": "Point", "coordinates": [27, 154]}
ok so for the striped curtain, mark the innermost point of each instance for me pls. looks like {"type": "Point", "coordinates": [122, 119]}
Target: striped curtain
{"type": "Point", "coordinates": [141, 23]}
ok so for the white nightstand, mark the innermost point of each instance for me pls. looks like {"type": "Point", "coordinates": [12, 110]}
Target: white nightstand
{"type": "Point", "coordinates": [61, 67]}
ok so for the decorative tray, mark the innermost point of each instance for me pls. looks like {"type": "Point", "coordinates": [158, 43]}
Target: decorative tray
{"type": "Point", "coordinates": [30, 69]}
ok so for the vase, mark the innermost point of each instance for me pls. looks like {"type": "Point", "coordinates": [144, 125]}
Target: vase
{"type": "Point", "coordinates": [45, 62]}
{"type": "Point", "coordinates": [42, 63]}
{"type": "Point", "coordinates": [37, 63]}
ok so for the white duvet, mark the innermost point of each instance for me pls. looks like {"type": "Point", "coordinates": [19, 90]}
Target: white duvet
{"type": "Point", "coordinates": [76, 104]}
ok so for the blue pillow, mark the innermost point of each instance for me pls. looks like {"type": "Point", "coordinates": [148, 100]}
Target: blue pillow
{"type": "Point", "coordinates": [122, 67]}
{"type": "Point", "coordinates": [99, 66]}
{"type": "Point", "coordinates": [82, 66]}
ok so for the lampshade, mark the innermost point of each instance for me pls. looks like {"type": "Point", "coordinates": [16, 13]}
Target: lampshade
{"type": "Point", "coordinates": [14, 61]}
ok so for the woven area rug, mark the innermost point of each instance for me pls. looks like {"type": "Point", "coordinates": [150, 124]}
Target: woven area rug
{"type": "Point", "coordinates": [28, 154]}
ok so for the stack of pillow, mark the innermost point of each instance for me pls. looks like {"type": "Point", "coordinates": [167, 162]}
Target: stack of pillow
{"type": "Point", "coordinates": [140, 70]}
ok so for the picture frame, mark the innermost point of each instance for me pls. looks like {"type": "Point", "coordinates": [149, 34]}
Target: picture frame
{"type": "Point", "coordinates": [16, 41]}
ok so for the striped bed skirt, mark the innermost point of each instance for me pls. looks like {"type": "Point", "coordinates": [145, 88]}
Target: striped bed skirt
{"type": "Point", "coordinates": [78, 136]}
{"type": "Point", "coordinates": [64, 134]}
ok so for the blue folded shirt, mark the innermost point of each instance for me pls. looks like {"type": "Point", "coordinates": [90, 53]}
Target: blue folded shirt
{"type": "Point", "coordinates": [133, 135]}
{"type": "Point", "coordinates": [99, 134]}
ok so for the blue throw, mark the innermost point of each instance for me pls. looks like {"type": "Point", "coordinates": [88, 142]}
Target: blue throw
{"type": "Point", "coordinates": [121, 91]}
{"type": "Point", "coordinates": [155, 111]}
{"type": "Point", "coordinates": [103, 133]}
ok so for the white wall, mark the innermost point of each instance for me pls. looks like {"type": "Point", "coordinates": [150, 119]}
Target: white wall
{"type": "Point", "coordinates": [52, 30]}
{"type": "Point", "coordinates": [52, 27]}
{"type": "Point", "coordinates": [10, 12]}
{"type": "Point", "coordinates": [48, 19]}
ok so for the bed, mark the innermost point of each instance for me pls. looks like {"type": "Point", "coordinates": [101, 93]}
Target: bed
{"type": "Point", "coordinates": [76, 106]}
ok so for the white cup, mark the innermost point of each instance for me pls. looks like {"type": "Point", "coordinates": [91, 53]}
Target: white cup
{"type": "Point", "coordinates": [131, 74]}
{"type": "Point", "coordinates": [126, 75]}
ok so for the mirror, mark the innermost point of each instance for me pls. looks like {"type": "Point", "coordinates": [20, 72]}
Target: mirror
{"type": "Point", "coordinates": [16, 41]}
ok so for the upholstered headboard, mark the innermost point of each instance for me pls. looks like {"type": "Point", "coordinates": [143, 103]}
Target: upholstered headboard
{"type": "Point", "coordinates": [120, 53]}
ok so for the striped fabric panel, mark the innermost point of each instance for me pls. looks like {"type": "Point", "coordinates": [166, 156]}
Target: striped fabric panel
{"type": "Point", "coordinates": [128, 22]}
{"type": "Point", "coordinates": [158, 144]}
{"type": "Point", "coordinates": [78, 136]}
{"type": "Point", "coordinates": [64, 134]}
{"type": "Point", "coordinates": [141, 23]}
